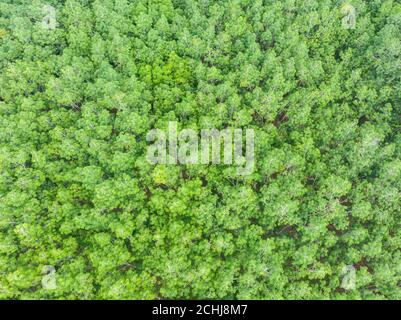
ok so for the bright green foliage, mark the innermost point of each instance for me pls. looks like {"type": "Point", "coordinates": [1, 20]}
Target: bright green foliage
{"type": "Point", "coordinates": [83, 215]}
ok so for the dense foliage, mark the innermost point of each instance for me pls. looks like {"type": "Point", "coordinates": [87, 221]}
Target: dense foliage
{"type": "Point", "coordinates": [79, 201]}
